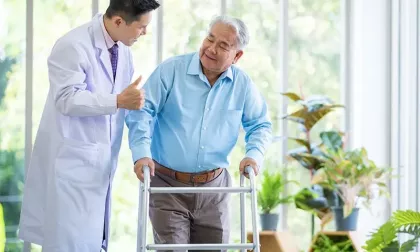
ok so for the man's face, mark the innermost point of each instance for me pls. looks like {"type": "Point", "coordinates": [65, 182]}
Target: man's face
{"type": "Point", "coordinates": [219, 49]}
{"type": "Point", "coordinates": [129, 33]}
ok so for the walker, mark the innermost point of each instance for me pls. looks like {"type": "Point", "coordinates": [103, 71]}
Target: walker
{"type": "Point", "coordinates": [145, 191]}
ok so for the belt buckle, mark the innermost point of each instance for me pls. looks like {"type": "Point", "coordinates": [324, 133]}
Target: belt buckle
{"type": "Point", "coordinates": [193, 178]}
{"type": "Point", "coordinates": [196, 178]}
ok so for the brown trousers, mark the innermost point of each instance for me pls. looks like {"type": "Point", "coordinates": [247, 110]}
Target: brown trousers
{"type": "Point", "coordinates": [190, 218]}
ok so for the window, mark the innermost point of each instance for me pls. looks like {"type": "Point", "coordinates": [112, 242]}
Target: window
{"type": "Point", "coordinates": [260, 62]}
{"type": "Point", "coordinates": [314, 69]}
{"type": "Point", "coordinates": [12, 113]}
{"type": "Point", "coordinates": [185, 25]}
{"type": "Point", "coordinates": [66, 15]}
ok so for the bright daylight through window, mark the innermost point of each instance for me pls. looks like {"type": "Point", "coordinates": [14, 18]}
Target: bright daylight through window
{"type": "Point", "coordinates": [300, 52]}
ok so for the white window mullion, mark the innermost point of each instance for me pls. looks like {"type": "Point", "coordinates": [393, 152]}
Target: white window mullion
{"type": "Point", "coordinates": [95, 7]}
{"type": "Point", "coordinates": [345, 64]}
{"type": "Point", "coordinates": [282, 77]}
{"type": "Point", "coordinates": [223, 7]}
{"type": "Point", "coordinates": [417, 90]}
{"type": "Point", "coordinates": [29, 80]}
{"type": "Point", "coordinates": [396, 104]}
{"type": "Point", "coordinates": [29, 90]}
{"type": "Point", "coordinates": [158, 33]}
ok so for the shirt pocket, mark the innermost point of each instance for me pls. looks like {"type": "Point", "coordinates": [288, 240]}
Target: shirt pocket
{"type": "Point", "coordinates": [78, 162]}
{"type": "Point", "coordinates": [230, 124]}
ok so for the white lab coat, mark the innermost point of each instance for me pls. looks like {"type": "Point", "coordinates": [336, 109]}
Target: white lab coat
{"type": "Point", "coordinates": [77, 144]}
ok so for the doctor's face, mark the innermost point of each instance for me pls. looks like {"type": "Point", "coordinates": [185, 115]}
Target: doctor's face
{"type": "Point", "coordinates": [129, 33]}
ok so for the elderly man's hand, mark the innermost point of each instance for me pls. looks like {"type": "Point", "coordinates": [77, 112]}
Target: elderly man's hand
{"type": "Point", "coordinates": [248, 162]}
{"type": "Point", "coordinates": [138, 167]}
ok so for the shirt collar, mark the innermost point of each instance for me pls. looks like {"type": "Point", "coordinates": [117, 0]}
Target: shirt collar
{"type": "Point", "coordinates": [108, 40]}
{"type": "Point", "coordinates": [195, 68]}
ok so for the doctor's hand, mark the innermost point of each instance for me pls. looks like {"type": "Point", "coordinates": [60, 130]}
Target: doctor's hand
{"type": "Point", "coordinates": [248, 162]}
{"type": "Point", "coordinates": [138, 167]}
{"type": "Point", "coordinates": [131, 98]}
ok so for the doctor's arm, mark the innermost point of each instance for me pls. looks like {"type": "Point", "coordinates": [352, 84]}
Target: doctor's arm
{"type": "Point", "coordinates": [67, 66]}
{"type": "Point", "coordinates": [258, 128]}
{"type": "Point", "coordinates": [140, 122]}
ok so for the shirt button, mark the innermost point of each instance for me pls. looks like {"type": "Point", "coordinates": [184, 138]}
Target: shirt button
{"type": "Point", "coordinates": [202, 147]}
{"type": "Point", "coordinates": [199, 166]}
{"type": "Point", "coordinates": [207, 109]}
{"type": "Point", "coordinates": [204, 128]}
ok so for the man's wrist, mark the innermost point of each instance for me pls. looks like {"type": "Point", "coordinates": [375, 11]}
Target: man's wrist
{"type": "Point", "coordinates": [256, 155]}
{"type": "Point", "coordinates": [119, 102]}
{"type": "Point", "coordinates": [140, 151]}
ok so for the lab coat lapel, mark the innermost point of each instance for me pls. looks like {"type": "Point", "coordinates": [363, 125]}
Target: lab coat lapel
{"type": "Point", "coordinates": [99, 41]}
{"type": "Point", "coordinates": [106, 63]}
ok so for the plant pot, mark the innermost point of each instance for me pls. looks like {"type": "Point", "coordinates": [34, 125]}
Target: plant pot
{"type": "Point", "coordinates": [345, 224]}
{"type": "Point", "coordinates": [269, 221]}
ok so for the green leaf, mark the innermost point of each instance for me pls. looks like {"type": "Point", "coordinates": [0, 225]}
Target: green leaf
{"type": "Point", "coordinates": [302, 142]}
{"type": "Point", "coordinates": [332, 140]}
{"type": "Point", "coordinates": [384, 236]}
{"type": "Point", "coordinates": [270, 193]}
{"type": "Point", "coordinates": [2, 230]}
{"type": "Point", "coordinates": [405, 219]}
{"type": "Point", "coordinates": [292, 96]}
{"type": "Point", "coordinates": [409, 245]}
{"type": "Point", "coordinates": [326, 244]}
{"type": "Point", "coordinates": [308, 161]}
{"type": "Point", "coordinates": [392, 247]}
{"type": "Point", "coordinates": [308, 200]}
{"type": "Point", "coordinates": [6, 65]}
{"type": "Point", "coordinates": [310, 116]}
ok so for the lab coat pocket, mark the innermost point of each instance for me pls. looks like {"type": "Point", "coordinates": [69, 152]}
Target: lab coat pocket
{"type": "Point", "coordinates": [77, 162]}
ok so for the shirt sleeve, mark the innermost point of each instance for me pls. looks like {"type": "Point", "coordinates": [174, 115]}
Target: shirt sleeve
{"type": "Point", "coordinates": [66, 69]}
{"type": "Point", "coordinates": [257, 125]}
{"type": "Point", "coordinates": [131, 64]}
{"type": "Point", "coordinates": [141, 122]}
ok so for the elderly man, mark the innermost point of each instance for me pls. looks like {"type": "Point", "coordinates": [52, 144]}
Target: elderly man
{"type": "Point", "coordinates": [198, 101]}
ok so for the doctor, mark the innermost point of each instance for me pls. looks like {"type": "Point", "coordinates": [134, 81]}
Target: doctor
{"type": "Point", "coordinates": [66, 203]}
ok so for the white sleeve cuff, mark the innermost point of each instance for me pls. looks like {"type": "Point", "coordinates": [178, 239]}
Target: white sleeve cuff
{"type": "Point", "coordinates": [109, 103]}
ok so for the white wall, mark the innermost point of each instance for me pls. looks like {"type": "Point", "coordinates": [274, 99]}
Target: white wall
{"type": "Point", "coordinates": [405, 97]}
{"type": "Point", "coordinates": [369, 89]}
{"type": "Point", "coordinates": [384, 97]}
{"type": "Point", "coordinates": [405, 105]}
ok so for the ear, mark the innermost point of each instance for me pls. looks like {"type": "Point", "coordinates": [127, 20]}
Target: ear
{"type": "Point", "coordinates": [117, 20]}
{"type": "Point", "coordinates": [237, 56]}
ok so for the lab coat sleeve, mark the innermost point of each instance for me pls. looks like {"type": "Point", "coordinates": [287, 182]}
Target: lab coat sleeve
{"type": "Point", "coordinates": [257, 125]}
{"type": "Point", "coordinates": [67, 67]}
{"type": "Point", "coordinates": [140, 122]}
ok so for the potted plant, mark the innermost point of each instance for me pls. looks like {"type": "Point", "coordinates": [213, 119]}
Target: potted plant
{"type": "Point", "coordinates": [326, 155]}
{"type": "Point", "coordinates": [269, 196]}
{"type": "Point", "coordinates": [308, 154]}
{"type": "Point", "coordinates": [349, 176]}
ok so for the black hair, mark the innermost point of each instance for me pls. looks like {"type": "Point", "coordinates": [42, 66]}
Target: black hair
{"type": "Point", "coordinates": [130, 10]}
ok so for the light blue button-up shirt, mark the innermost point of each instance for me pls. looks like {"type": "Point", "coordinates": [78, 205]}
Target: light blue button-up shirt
{"type": "Point", "coordinates": [189, 126]}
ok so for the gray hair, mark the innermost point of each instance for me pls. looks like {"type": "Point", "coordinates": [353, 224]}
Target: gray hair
{"type": "Point", "coordinates": [242, 35]}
